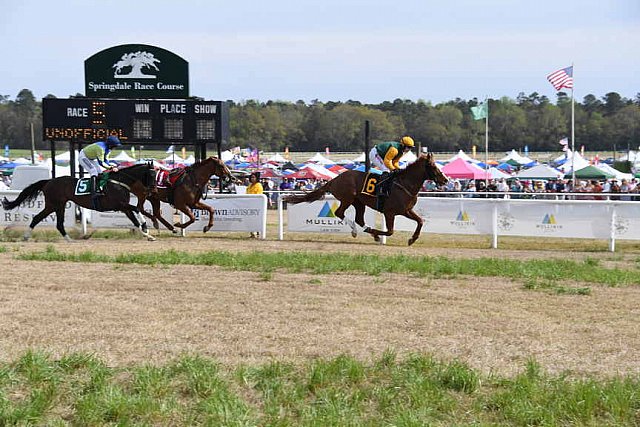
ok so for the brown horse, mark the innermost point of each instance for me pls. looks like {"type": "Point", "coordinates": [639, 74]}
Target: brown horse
{"type": "Point", "coordinates": [351, 189]}
{"type": "Point", "coordinates": [186, 193]}
{"type": "Point", "coordinates": [138, 179]}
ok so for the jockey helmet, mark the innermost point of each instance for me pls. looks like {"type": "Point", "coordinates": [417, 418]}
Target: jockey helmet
{"type": "Point", "coordinates": [113, 141]}
{"type": "Point", "coordinates": [407, 141]}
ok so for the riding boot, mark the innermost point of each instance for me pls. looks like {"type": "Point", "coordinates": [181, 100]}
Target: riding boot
{"type": "Point", "coordinates": [95, 189]}
{"type": "Point", "coordinates": [95, 193]}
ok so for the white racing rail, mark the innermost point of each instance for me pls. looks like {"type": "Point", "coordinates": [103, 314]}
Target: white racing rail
{"type": "Point", "coordinates": [444, 214]}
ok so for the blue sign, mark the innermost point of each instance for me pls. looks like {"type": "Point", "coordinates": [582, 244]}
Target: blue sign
{"type": "Point", "coordinates": [6, 150]}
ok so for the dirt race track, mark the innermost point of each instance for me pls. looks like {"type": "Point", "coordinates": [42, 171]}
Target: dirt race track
{"type": "Point", "coordinates": [130, 313]}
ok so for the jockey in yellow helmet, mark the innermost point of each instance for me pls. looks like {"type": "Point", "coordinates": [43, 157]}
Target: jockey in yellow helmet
{"type": "Point", "coordinates": [386, 155]}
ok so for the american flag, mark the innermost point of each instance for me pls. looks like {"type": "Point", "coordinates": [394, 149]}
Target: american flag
{"type": "Point", "coordinates": [562, 78]}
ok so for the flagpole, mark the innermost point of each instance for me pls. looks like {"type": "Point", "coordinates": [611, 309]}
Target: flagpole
{"type": "Point", "coordinates": [486, 147]}
{"type": "Point", "coordinates": [573, 135]}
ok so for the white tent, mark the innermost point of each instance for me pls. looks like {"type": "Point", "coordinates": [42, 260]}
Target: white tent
{"type": "Point", "coordinates": [188, 161]}
{"type": "Point", "coordinates": [277, 158]}
{"type": "Point", "coordinates": [514, 156]}
{"type": "Point", "coordinates": [65, 157]}
{"type": "Point", "coordinates": [632, 156]}
{"type": "Point", "coordinates": [497, 173]}
{"type": "Point", "coordinates": [613, 171]}
{"type": "Point", "coordinates": [172, 158]}
{"type": "Point", "coordinates": [321, 160]}
{"type": "Point", "coordinates": [123, 157]}
{"type": "Point", "coordinates": [461, 155]}
{"type": "Point", "coordinates": [22, 161]}
{"type": "Point", "coordinates": [539, 172]}
{"type": "Point", "coordinates": [60, 170]}
{"type": "Point", "coordinates": [577, 161]}
{"type": "Point", "coordinates": [226, 155]}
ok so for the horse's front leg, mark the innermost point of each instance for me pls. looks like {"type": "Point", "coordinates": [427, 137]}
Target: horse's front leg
{"type": "Point", "coordinates": [414, 216]}
{"type": "Point", "coordinates": [157, 215]}
{"type": "Point", "coordinates": [208, 208]}
{"type": "Point", "coordinates": [188, 212]}
{"type": "Point", "coordinates": [389, 222]}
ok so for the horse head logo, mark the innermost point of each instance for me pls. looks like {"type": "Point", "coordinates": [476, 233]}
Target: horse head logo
{"type": "Point", "coordinates": [136, 61]}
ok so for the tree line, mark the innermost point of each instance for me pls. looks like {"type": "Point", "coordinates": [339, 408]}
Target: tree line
{"type": "Point", "coordinates": [601, 124]}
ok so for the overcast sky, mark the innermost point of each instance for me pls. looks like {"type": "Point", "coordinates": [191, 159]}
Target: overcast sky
{"type": "Point", "coordinates": [334, 50]}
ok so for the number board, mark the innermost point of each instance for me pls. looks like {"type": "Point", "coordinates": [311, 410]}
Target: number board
{"type": "Point", "coordinates": [85, 119]}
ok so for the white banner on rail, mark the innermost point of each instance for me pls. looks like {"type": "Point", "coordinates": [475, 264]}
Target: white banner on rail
{"type": "Point", "coordinates": [319, 217]}
{"type": "Point", "coordinates": [23, 214]}
{"type": "Point", "coordinates": [534, 218]}
{"type": "Point", "coordinates": [115, 219]}
{"type": "Point", "coordinates": [233, 212]}
{"type": "Point", "coordinates": [450, 215]}
{"type": "Point", "coordinates": [626, 221]}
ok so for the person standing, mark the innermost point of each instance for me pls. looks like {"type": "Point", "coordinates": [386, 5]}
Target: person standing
{"type": "Point", "coordinates": [95, 157]}
{"type": "Point", "coordinates": [255, 187]}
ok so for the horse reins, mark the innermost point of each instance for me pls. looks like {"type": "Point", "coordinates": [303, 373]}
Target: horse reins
{"type": "Point", "coordinates": [122, 183]}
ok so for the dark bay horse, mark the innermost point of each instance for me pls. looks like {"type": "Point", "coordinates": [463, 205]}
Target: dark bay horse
{"type": "Point", "coordinates": [138, 179]}
{"type": "Point", "coordinates": [351, 189]}
{"type": "Point", "coordinates": [186, 193]}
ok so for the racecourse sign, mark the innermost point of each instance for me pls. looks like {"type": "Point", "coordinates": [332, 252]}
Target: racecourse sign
{"type": "Point", "coordinates": [136, 71]}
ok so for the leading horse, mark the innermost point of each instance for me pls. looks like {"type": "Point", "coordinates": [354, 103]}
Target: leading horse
{"type": "Point", "coordinates": [186, 193]}
{"type": "Point", "coordinates": [137, 179]}
{"type": "Point", "coordinates": [355, 188]}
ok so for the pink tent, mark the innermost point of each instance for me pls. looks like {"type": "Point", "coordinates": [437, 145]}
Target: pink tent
{"type": "Point", "coordinates": [463, 170]}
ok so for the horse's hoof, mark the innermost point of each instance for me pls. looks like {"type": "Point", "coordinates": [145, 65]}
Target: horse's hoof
{"type": "Point", "coordinates": [377, 239]}
{"type": "Point", "coordinates": [151, 238]}
{"type": "Point", "coordinates": [174, 231]}
{"type": "Point", "coordinates": [411, 241]}
{"type": "Point", "coordinates": [205, 228]}
{"type": "Point", "coordinates": [354, 234]}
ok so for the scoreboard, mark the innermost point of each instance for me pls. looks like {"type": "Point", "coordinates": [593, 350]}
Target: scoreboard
{"type": "Point", "coordinates": [135, 120]}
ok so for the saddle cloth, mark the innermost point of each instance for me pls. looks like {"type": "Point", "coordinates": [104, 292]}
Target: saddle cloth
{"type": "Point", "coordinates": [369, 184]}
{"type": "Point", "coordinates": [83, 186]}
{"type": "Point", "coordinates": [167, 179]}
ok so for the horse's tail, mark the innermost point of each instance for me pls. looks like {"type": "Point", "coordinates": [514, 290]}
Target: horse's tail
{"type": "Point", "coordinates": [28, 194]}
{"type": "Point", "coordinates": [308, 197]}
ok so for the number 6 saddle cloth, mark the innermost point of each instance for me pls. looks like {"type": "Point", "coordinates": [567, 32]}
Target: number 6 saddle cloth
{"type": "Point", "coordinates": [370, 183]}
